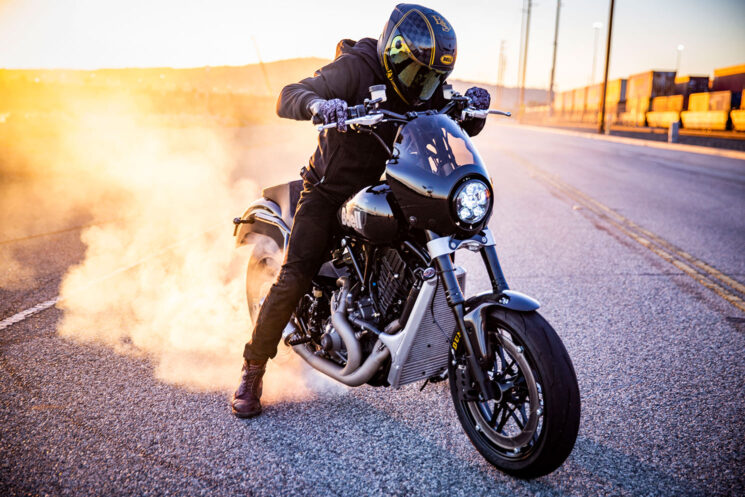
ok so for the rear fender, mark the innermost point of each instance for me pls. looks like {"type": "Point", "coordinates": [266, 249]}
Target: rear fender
{"type": "Point", "coordinates": [262, 217]}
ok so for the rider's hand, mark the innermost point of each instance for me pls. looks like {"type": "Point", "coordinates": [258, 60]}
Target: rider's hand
{"type": "Point", "coordinates": [480, 98]}
{"type": "Point", "coordinates": [330, 111]}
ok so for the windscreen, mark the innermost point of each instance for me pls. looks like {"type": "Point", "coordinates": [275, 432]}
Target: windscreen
{"type": "Point", "coordinates": [435, 144]}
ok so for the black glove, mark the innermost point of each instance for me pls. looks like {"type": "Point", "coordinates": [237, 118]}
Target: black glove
{"type": "Point", "coordinates": [480, 98]}
{"type": "Point", "coordinates": [329, 111]}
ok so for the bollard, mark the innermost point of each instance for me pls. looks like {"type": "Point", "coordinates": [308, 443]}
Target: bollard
{"type": "Point", "coordinates": [672, 133]}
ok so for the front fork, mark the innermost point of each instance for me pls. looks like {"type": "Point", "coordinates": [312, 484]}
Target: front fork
{"type": "Point", "coordinates": [440, 249]}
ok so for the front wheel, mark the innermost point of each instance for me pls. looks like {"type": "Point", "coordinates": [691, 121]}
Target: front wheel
{"type": "Point", "coordinates": [530, 429]}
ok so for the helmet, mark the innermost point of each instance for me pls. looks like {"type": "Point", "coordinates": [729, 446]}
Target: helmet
{"type": "Point", "coordinates": [417, 50]}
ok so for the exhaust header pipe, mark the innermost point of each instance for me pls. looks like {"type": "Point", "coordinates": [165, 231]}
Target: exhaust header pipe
{"type": "Point", "coordinates": [352, 374]}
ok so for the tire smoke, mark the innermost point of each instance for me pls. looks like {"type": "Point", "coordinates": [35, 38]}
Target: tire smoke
{"type": "Point", "coordinates": [161, 275]}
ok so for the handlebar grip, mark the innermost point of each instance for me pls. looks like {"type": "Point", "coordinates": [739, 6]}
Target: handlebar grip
{"type": "Point", "coordinates": [317, 119]}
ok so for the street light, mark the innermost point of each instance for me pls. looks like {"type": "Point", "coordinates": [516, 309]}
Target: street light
{"type": "Point", "coordinates": [596, 26]}
{"type": "Point", "coordinates": [677, 61]}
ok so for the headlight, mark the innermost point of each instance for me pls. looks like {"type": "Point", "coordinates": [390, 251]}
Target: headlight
{"type": "Point", "coordinates": [472, 201]}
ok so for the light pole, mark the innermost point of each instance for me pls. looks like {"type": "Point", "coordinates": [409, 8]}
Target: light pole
{"type": "Point", "coordinates": [677, 60]}
{"type": "Point", "coordinates": [500, 74]}
{"type": "Point", "coordinates": [596, 26]}
{"type": "Point", "coordinates": [521, 103]}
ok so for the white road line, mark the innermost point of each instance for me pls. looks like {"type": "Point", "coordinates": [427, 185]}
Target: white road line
{"type": "Point", "coordinates": [17, 318]}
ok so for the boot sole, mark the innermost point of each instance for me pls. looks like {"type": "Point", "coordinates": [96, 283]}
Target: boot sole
{"type": "Point", "coordinates": [245, 415]}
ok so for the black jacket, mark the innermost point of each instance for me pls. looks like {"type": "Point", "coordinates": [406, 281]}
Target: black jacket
{"type": "Point", "coordinates": [344, 163]}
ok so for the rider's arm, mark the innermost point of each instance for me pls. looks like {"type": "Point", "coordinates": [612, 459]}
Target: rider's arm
{"type": "Point", "coordinates": [336, 80]}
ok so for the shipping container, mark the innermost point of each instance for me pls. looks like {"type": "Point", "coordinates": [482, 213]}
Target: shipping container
{"type": "Point", "coordinates": [616, 92]}
{"type": "Point", "coordinates": [685, 85]}
{"type": "Point", "coordinates": [706, 120]}
{"type": "Point", "coordinates": [567, 98]}
{"type": "Point", "coordinates": [729, 79]}
{"type": "Point", "coordinates": [592, 103]}
{"type": "Point", "coordinates": [738, 115]}
{"type": "Point", "coordinates": [698, 102]}
{"type": "Point", "coordinates": [650, 84]}
{"type": "Point", "coordinates": [738, 119]}
{"type": "Point", "coordinates": [578, 103]}
{"type": "Point", "coordinates": [720, 100]}
{"type": "Point", "coordinates": [636, 111]}
{"type": "Point", "coordinates": [715, 100]}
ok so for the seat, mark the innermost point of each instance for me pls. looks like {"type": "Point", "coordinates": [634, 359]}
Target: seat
{"type": "Point", "coordinates": [286, 196]}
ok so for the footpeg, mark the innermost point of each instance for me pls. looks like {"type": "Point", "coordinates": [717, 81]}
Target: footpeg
{"type": "Point", "coordinates": [297, 340]}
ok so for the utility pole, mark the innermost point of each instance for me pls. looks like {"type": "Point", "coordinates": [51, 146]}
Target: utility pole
{"type": "Point", "coordinates": [553, 62]}
{"type": "Point", "coordinates": [521, 103]}
{"type": "Point", "coordinates": [601, 128]}
{"type": "Point", "coordinates": [500, 74]}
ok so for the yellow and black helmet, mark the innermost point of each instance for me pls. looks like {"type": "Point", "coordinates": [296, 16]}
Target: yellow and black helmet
{"type": "Point", "coordinates": [417, 50]}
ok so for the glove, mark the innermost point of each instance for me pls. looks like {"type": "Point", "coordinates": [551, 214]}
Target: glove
{"type": "Point", "coordinates": [329, 111]}
{"type": "Point", "coordinates": [480, 98]}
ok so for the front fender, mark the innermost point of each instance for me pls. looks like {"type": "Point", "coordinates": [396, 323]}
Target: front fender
{"type": "Point", "coordinates": [477, 306]}
{"type": "Point", "coordinates": [509, 299]}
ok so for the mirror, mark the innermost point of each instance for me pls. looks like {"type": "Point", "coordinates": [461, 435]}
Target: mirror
{"type": "Point", "coordinates": [447, 91]}
{"type": "Point", "coordinates": [377, 91]}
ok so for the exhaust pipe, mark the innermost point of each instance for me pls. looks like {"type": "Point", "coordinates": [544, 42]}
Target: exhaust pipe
{"type": "Point", "coordinates": [352, 374]}
{"type": "Point", "coordinates": [354, 379]}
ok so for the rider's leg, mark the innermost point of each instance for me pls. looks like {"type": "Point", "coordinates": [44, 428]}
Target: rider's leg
{"type": "Point", "coordinates": [314, 222]}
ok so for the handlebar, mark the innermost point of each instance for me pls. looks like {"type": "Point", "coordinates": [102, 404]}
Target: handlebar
{"type": "Point", "coordinates": [368, 120]}
{"type": "Point", "coordinates": [357, 116]}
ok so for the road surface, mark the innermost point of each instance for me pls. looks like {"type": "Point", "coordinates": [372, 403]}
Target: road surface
{"type": "Point", "coordinates": [636, 255]}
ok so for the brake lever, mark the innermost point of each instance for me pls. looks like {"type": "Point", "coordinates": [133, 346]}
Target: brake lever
{"type": "Point", "coordinates": [482, 113]}
{"type": "Point", "coordinates": [368, 120]}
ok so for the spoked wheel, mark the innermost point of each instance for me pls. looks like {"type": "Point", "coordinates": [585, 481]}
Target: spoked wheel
{"type": "Point", "coordinates": [261, 273]}
{"type": "Point", "coordinates": [530, 427]}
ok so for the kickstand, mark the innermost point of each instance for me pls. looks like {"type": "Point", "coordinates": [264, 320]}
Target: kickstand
{"type": "Point", "coordinates": [425, 384]}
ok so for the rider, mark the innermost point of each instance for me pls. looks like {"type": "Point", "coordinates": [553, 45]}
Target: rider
{"type": "Point", "coordinates": [413, 57]}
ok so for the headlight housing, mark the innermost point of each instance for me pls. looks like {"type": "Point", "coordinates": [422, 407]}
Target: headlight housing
{"type": "Point", "coordinates": [472, 201]}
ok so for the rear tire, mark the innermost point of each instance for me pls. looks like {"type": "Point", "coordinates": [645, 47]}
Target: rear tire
{"type": "Point", "coordinates": [531, 430]}
{"type": "Point", "coordinates": [262, 271]}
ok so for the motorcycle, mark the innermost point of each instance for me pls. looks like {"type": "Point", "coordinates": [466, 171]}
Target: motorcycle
{"type": "Point", "coordinates": [388, 309]}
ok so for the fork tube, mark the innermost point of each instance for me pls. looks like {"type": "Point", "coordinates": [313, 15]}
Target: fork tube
{"type": "Point", "coordinates": [455, 300]}
{"type": "Point", "coordinates": [496, 276]}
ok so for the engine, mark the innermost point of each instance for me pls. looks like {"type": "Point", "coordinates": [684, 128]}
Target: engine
{"type": "Point", "coordinates": [393, 282]}
{"type": "Point", "coordinates": [372, 308]}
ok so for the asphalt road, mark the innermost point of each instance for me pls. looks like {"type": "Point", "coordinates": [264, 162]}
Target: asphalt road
{"type": "Point", "coordinates": [658, 354]}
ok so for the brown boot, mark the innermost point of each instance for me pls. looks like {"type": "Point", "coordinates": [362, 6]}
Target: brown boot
{"type": "Point", "coordinates": [245, 402]}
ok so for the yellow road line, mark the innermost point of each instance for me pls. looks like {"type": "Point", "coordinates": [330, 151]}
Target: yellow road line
{"type": "Point", "coordinates": [664, 249]}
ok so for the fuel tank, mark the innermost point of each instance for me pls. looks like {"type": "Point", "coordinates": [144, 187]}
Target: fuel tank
{"type": "Point", "coordinates": [369, 213]}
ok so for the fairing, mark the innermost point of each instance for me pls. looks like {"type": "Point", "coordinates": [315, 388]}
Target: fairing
{"type": "Point", "coordinates": [433, 156]}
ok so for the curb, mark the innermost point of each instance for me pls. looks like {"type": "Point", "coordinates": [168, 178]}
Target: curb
{"type": "Point", "coordinates": [677, 147]}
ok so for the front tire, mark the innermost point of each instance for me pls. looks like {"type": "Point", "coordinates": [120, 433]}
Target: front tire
{"type": "Point", "coordinates": [531, 429]}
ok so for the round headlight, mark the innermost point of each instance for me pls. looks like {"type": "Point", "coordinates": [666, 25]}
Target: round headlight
{"type": "Point", "coordinates": [472, 201]}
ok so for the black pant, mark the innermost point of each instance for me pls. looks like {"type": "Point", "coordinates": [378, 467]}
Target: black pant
{"type": "Point", "coordinates": [314, 224]}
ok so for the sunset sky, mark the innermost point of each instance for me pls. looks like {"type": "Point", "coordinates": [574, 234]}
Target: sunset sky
{"type": "Point", "coordinates": [186, 33]}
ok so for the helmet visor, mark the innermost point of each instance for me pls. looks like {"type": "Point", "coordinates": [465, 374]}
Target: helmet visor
{"type": "Point", "coordinates": [417, 81]}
